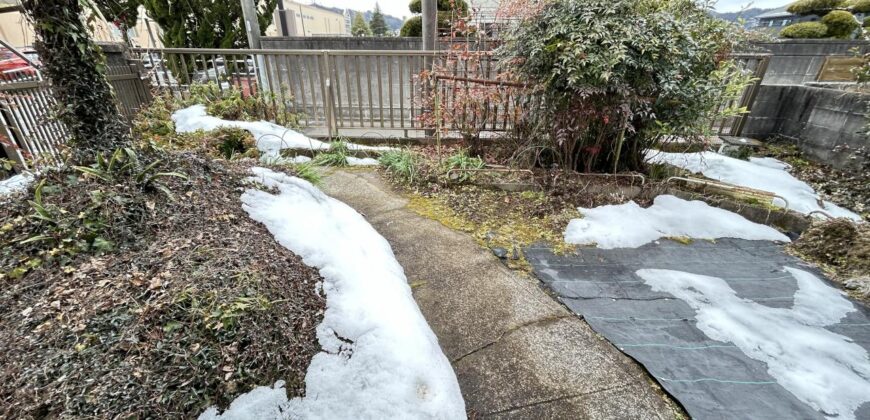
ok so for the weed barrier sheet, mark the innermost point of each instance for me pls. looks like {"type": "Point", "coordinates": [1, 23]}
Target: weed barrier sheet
{"type": "Point", "coordinates": [731, 328]}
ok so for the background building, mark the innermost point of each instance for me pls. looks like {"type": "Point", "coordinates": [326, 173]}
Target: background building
{"type": "Point", "coordinates": [297, 19]}
{"type": "Point", "coordinates": [17, 31]}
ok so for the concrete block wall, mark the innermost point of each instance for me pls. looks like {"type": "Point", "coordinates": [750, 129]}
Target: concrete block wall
{"type": "Point", "coordinates": [341, 43]}
{"type": "Point", "coordinates": [819, 120]}
{"type": "Point", "coordinates": [798, 61]}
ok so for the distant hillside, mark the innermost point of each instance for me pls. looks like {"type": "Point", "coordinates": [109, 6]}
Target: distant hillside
{"type": "Point", "coordinates": [393, 22]}
{"type": "Point", "coordinates": [746, 14]}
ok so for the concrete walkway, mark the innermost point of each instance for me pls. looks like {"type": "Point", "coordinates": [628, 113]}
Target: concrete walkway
{"type": "Point", "coordinates": [516, 352]}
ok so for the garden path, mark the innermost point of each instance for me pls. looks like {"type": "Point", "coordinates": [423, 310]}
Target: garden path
{"type": "Point", "coordinates": [516, 352]}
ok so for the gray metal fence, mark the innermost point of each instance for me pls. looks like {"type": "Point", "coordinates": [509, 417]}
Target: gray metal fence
{"type": "Point", "coordinates": [30, 132]}
{"type": "Point", "coordinates": [756, 66]}
{"type": "Point", "coordinates": [335, 92]}
{"type": "Point", "coordinates": [352, 93]}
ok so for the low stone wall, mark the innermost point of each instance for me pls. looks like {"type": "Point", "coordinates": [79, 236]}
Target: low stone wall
{"type": "Point", "coordinates": [819, 120]}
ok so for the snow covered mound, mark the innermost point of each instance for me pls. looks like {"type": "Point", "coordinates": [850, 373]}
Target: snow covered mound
{"type": "Point", "coordinates": [271, 138]}
{"type": "Point", "coordinates": [765, 174]}
{"type": "Point", "coordinates": [380, 359]}
{"type": "Point", "coordinates": [824, 369]}
{"type": "Point", "coordinates": [630, 226]}
{"type": "Point", "coordinates": [16, 183]}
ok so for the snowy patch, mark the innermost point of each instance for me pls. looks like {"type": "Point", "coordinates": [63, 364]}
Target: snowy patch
{"type": "Point", "coordinates": [380, 359]}
{"type": "Point", "coordinates": [271, 138]}
{"type": "Point", "coordinates": [281, 160]}
{"type": "Point", "coordinates": [765, 174]}
{"type": "Point", "coordinates": [825, 370]}
{"type": "Point", "coordinates": [16, 183]}
{"type": "Point", "coordinates": [630, 226]}
{"type": "Point", "coordinates": [353, 161]}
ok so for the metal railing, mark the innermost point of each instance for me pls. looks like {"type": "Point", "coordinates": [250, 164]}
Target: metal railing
{"type": "Point", "coordinates": [752, 64]}
{"type": "Point", "coordinates": [334, 90]}
{"type": "Point", "coordinates": [30, 131]}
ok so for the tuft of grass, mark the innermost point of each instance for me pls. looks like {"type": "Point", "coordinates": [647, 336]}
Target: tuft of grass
{"type": "Point", "coordinates": [459, 162]}
{"type": "Point", "coordinates": [685, 240]}
{"type": "Point", "coordinates": [335, 156]}
{"type": "Point", "coordinates": [403, 164]}
{"type": "Point", "coordinates": [307, 172]}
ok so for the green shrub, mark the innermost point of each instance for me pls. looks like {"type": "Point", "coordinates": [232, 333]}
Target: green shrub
{"type": "Point", "coordinates": [448, 10]}
{"type": "Point", "coordinates": [401, 163]}
{"type": "Point", "coordinates": [412, 27]}
{"type": "Point", "coordinates": [230, 143]}
{"type": "Point", "coordinates": [231, 104]}
{"type": "Point", "coordinates": [805, 30]}
{"type": "Point", "coordinates": [840, 23]}
{"type": "Point", "coordinates": [814, 7]}
{"type": "Point", "coordinates": [859, 6]}
{"type": "Point", "coordinates": [866, 22]}
{"type": "Point", "coordinates": [616, 75]}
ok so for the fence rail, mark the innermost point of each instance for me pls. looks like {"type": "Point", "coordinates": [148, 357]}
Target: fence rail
{"type": "Point", "coordinates": [30, 131]}
{"type": "Point", "coordinates": [355, 93]}
{"type": "Point", "coordinates": [331, 89]}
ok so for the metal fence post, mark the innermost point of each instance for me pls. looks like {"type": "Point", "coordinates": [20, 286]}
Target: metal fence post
{"type": "Point", "coordinates": [330, 105]}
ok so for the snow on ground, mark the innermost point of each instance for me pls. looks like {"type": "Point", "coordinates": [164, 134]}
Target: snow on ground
{"type": "Point", "coordinates": [353, 161]}
{"type": "Point", "coordinates": [380, 359]}
{"type": "Point", "coordinates": [281, 160]}
{"type": "Point", "coordinates": [629, 225]}
{"type": "Point", "coordinates": [821, 368]}
{"type": "Point", "coordinates": [766, 174]}
{"type": "Point", "coordinates": [271, 138]}
{"type": "Point", "coordinates": [16, 183]}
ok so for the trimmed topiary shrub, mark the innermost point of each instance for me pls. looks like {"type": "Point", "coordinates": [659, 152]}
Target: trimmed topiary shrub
{"type": "Point", "coordinates": [840, 23]}
{"type": "Point", "coordinates": [859, 6]}
{"type": "Point", "coordinates": [412, 27]}
{"type": "Point", "coordinates": [448, 10]}
{"type": "Point", "coordinates": [804, 30]}
{"type": "Point", "coordinates": [814, 7]}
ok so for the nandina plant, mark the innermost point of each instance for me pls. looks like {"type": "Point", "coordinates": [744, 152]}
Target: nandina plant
{"type": "Point", "coordinates": [613, 77]}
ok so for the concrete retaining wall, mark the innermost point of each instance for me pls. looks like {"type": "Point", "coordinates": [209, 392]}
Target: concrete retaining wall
{"type": "Point", "coordinates": [798, 61]}
{"type": "Point", "coordinates": [342, 43]}
{"type": "Point", "coordinates": [348, 43]}
{"type": "Point", "coordinates": [819, 120]}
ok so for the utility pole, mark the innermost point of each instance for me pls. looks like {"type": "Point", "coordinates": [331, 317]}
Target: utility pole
{"type": "Point", "coordinates": [282, 18]}
{"type": "Point", "coordinates": [430, 25]}
{"type": "Point", "coordinates": [252, 28]}
{"type": "Point", "coordinates": [430, 34]}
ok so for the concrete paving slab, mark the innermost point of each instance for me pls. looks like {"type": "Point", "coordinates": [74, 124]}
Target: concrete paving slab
{"type": "Point", "coordinates": [516, 352]}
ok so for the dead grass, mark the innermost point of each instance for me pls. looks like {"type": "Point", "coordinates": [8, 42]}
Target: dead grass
{"type": "Point", "coordinates": [842, 247]}
{"type": "Point", "coordinates": [194, 305]}
{"type": "Point", "coordinates": [513, 220]}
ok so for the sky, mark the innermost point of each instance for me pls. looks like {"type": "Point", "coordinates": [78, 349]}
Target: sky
{"type": "Point", "coordinates": [399, 8]}
{"type": "Point", "coordinates": [735, 5]}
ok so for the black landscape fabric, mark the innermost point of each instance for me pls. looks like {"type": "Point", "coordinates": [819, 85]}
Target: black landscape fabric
{"type": "Point", "coordinates": [711, 379]}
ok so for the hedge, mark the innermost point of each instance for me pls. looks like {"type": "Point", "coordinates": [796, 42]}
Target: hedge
{"type": "Point", "coordinates": [805, 30]}
{"type": "Point", "coordinates": [840, 23]}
